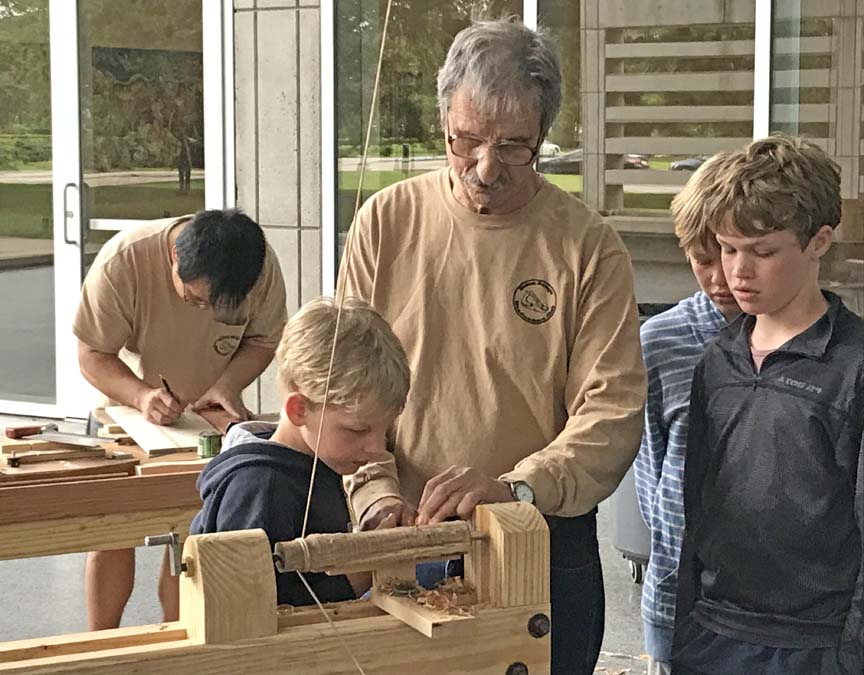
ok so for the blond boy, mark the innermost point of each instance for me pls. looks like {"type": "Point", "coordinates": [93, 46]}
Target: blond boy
{"type": "Point", "coordinates": [770, 577]}
{"type": "Point", "coordinates": [672, 344]}
{"type": "Point", "coordinates": [261, 478]}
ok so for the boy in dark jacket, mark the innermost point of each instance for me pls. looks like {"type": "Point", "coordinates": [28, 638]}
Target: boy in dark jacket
{"type": "Point", "coordinates": [770, 578]}
{"type": "Point", "coordinates": [261, 478]}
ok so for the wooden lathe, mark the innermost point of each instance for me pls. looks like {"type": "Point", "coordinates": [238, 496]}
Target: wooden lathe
{"type": "Point", "coordinates": [229, 620]}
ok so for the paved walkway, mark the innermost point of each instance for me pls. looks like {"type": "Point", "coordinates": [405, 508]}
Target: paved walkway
{"type": "Point", "coordinates": [25, 252]}
{"type": "Point", "coordinates": [19, 252]}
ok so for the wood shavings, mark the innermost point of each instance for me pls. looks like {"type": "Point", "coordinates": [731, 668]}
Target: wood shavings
{"type": "Point", "coordinates": [404, 588]}
{"type": "Point", "coordinates": [451, 597]}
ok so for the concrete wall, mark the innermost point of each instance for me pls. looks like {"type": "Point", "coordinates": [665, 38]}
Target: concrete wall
{"type": "Point", "coordinates": [278, 126]}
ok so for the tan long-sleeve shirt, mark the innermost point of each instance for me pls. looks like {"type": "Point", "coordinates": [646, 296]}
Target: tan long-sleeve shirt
{"type": "Point", "coordinates": [522, 334]}
{"type": "Point", "coordinates": [129, 307]}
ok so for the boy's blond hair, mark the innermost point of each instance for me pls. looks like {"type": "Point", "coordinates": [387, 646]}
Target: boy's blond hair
{"type": "Point", "coordinates": [776, 183]}
{"type": "Point", "coordinates": [370, 370]}
{"type": "Point", "coordinates": [688, 206]}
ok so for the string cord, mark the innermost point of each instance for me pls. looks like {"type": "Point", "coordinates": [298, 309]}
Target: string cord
{"type": "Point", "coordinates": [339, 304]}
{"type": "Point", "coordinates": [332, 624]}
{"type": "Point", "coordinates": [347, 254]}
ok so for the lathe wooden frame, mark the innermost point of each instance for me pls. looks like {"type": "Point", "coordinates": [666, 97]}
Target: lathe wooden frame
{"type": "Point", "coordinates": [229, 622]}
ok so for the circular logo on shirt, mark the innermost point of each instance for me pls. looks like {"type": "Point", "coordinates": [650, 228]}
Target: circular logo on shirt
{"type": "Point", "coordinates": [535, 301]}
{"type": "Point", "coordinates": [225, 345]}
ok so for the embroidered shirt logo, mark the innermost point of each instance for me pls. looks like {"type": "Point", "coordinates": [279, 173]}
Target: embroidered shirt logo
{"type": "Point", "coordinates": [535, 301]}
{"type": "Point", "coordinates": [227, 344]}
{"type": "Point", "coordinates": [798, 384]}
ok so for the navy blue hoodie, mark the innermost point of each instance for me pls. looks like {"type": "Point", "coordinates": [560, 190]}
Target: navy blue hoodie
{"type": "Point", "coordinates": [255, 482]}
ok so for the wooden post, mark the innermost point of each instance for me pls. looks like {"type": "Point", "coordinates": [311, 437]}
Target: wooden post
{"type": "Point", "coordinates": [511, 568]}
{"type": "Point", "coordinates": [228, 591]}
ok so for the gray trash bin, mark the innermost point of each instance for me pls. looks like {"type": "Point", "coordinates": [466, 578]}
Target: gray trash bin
{"type": "Point", "coordinates": [630, 536]}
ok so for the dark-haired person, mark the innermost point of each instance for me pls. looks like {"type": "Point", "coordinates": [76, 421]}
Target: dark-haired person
{"type": "Point", "coordinates": [200, 300]}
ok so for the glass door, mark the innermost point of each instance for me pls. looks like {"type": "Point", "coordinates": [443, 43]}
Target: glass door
{"type": "Point", "coordinates": [27, 233]}
{"type": "Point", "coordinates": [137, 94]}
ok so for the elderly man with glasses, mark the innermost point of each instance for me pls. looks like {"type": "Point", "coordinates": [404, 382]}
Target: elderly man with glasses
{"type": "Point", "coordinates": [515, 304]}
{"type": "Point", "coordinates": [175, 313]}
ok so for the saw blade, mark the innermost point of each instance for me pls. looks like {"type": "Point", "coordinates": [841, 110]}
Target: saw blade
{"type": "Point", "coordinates": [67, 439]}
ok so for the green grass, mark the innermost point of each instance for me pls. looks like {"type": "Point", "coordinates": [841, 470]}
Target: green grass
{"type": "Point", "coordinates": [25, 210]}
{"type": "Point", "coordinates": [659, 164]}
{"type": "Point", "coordinates": [565, 182]}
{"type": "Point", "coordinates": [373, 180]}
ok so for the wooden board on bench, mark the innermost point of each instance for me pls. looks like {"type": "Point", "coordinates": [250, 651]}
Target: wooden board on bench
{"type": "Point", "coordinates": [156, 440]}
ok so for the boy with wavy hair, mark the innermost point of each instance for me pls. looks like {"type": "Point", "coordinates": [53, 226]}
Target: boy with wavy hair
{"type": "Point", "coordinates": [770, 578]}
{"type": "Point", "coordinates": [261, 478]}
{"type": "Point", "coordinates": [672, 344]}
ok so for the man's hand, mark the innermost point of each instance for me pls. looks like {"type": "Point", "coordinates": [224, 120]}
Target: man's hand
{"type": "Point", "coordinates": [219, 418]}
{"type": "Point", "coordinates": [160, 407]}
{"type": "Point", "coordinates": [385, 513]}
{"type": "Point", "coordinates": [219, 396]}
{"type": "Point", "coordinates": [457, 491]}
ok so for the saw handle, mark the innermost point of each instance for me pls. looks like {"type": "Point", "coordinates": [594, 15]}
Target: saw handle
{"type": "Point", "coordinates": [18, 432]}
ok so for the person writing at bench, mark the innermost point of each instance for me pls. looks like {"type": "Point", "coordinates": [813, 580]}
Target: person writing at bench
{"type": "Point", "coordinates": [199, 300]}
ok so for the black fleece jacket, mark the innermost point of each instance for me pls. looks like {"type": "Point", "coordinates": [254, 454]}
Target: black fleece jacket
{"type": "Point", "coordinates": [259, 483]}
{"type": "Point", "coordinates": [773, 549]}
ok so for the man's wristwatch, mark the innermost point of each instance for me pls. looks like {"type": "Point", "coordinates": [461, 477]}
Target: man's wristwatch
{"type": "Point", "coordinates": [521, 491]}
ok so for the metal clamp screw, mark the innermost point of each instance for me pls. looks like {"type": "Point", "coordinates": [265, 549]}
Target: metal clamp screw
{"type": "Point", "coordinates": [172, 541]}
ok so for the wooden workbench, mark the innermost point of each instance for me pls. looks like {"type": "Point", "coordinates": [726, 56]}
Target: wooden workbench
{"type": "Point", "coordinates": [49, 516]}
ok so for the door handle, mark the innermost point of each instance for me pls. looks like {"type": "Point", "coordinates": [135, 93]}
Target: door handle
{"type": "Point", "coordinates": [67, 214]}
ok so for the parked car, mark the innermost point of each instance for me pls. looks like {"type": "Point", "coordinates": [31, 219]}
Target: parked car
{"type": "Point", "coordinates": [566, 162]}
{"type": "Point", "coordinates": [548, 149]}
{"type": "Point", "coordinates": [635, 162]}
{"type": "Point", "coordinates": [571, 162]}
{"type": "Point", "coordinates": [689, 164]}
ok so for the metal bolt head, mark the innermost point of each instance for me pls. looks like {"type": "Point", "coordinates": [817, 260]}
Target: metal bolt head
{"type": "Point", "coordinates": [539, 625]}
{"type": "Point", "coordinates": [517, 668]}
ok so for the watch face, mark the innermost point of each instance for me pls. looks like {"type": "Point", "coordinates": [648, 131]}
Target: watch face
{"type": "Point", "coordinates": [523, 492]}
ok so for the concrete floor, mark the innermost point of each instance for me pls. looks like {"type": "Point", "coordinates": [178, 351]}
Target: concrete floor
{"type": "Point", "coordinates": [45, 596]}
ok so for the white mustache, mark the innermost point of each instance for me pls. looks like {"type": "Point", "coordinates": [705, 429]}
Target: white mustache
{"type": "Point", "coordinates": [473, 181]}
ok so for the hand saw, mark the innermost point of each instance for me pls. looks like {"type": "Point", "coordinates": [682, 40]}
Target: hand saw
{"type": "Point", "coordinates": [50, 432]}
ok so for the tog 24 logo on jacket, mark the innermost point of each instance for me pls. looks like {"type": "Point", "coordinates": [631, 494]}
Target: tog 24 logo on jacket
{"type": "Point", "coordinates": [225, 345]}
{"type": "Point", "coordinates": [535, 301]}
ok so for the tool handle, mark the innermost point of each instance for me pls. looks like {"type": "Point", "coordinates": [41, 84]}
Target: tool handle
{"type": "Point", "coordinates": [18, 432]}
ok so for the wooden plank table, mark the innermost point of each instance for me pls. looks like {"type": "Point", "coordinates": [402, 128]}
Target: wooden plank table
{"type": "Point", "coordinates": [67, 506]}
{"type": "Point", "coordinates": [73, 506]}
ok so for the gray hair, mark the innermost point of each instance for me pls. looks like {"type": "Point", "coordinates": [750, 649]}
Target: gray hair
{"type": "Point", "coordinates": [499, 61]}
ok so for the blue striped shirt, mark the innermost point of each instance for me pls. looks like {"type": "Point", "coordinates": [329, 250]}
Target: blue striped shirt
{"type": "Point", "coordinates": [672, 344]}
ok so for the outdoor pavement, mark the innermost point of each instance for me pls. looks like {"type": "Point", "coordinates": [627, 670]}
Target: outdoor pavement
{"type": "Point", "coordinates": [45, 596]}
{"type": "Point", "coordinates": [17, 252]}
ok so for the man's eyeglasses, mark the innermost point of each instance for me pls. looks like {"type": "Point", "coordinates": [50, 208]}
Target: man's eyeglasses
{"type": "Point", "coordinates": [193, 300]}
{"type": "Point", "coordinates": [507, 152]}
